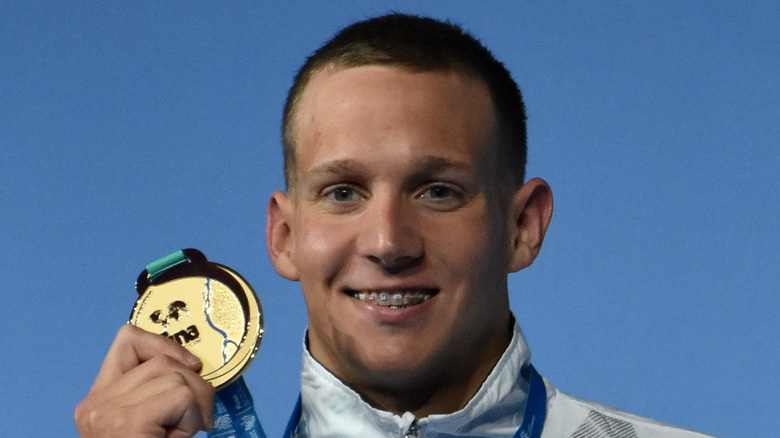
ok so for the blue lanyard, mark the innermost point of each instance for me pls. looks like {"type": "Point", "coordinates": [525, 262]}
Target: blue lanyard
{"type": "Point", "coordinates": [535, 407]}
{"type": "Point", "coordinates": [234, 413]}
{"type": "Point", "coordinates": [533, 415]}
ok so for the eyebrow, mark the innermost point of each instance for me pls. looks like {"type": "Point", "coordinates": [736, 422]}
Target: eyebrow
{"type": "Point", "coordinates": [337, 167]}
{"type": "Point", "coordinates": [432, 165]}
{"type": "Point", "coordinates": [429, 164]}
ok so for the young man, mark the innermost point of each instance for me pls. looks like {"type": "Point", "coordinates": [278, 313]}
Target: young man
{"type": "Point", "coordinates": [406, 209]}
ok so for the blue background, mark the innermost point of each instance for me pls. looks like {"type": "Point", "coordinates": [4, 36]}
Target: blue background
{"type": "Point", "coordinates": [131, 129]}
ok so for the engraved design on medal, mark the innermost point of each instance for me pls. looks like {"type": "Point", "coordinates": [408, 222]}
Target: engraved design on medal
{"type": "Point", "coordinates": [175, 311]}
{"type": "Point", "coordinates": [224, 314]}
{"type": "Point", "coordinates": [207, 308]}
{"type": "Point", "coordinates": [214, 333]}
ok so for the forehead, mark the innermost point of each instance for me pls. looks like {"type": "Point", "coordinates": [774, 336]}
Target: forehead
{"type": "Point", "coordinates": [374, 105]}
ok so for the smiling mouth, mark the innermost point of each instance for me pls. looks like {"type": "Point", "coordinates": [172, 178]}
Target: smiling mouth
{"type": "Point", "coordinates": [393, 299]}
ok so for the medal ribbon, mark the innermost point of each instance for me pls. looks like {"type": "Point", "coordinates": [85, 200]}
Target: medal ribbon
{"type": "Point", "coordinates": [162, 264]}
{"type": "Point", "coordinates": [234, 413]}
{"type": "Point", "coordinates": [535, 407]}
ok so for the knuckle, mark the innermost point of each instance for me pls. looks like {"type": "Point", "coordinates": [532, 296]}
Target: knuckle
{"type": "Point", "coordinates": [178, 379]}
{"type": "Point", "coordinates": [164, 362]}
{"type": "Point", "coordinates": [95, 418]}
{"type": "Point", "coordinates": [183, 395]}
{"type": "Point", "coordinates": [173, 380]}
{"type": "Point", "coordinates": [127, 331]}
{"type": "Point", "coordinates": [81, 415]}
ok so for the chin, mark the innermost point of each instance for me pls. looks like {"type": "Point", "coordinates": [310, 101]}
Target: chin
{"type": "Point", "coordinates": [396, 367]}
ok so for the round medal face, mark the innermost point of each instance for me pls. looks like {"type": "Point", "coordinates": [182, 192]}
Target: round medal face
{"type": "Point", "coordinates": [207, 308]}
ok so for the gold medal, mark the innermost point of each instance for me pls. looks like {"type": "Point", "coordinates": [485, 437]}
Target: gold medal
{"type": "Point", "coordinates": [206, 307]}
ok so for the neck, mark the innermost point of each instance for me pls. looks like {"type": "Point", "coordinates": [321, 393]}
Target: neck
{"type": "Point", "coordinates": [426, 395]}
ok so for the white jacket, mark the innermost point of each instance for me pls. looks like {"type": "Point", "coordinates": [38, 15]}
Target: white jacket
{"type": "Point", "coordinates": [331, 409]}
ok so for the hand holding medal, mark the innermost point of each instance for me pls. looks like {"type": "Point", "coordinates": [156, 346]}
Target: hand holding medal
{"type": "Point", "coordinates": [150, 386]}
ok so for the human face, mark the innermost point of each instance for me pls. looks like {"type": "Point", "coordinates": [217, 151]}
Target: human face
{"type": "Point", "coordinates": [397, 230]}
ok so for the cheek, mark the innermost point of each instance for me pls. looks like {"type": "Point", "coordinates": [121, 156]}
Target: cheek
{"type": "Point", "coordinates": [319, 249]}
{"type": "Point", "coordinates": [475, 264]}
{"type": "Point", "coordinates": [474, 244]}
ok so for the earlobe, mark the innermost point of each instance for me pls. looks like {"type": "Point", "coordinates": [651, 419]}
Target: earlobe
{"type": "Point", "coordinates": [531, 212]}
{"type": "Point", "coordinates": [279, 235]}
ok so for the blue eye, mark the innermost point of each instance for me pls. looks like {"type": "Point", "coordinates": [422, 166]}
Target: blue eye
{"type": "Point", "coordinates": [442, 197]}
{"type": "Point", "coordinates": [343, 194]}
{"type": "Point", "coordinates": [438, 192]}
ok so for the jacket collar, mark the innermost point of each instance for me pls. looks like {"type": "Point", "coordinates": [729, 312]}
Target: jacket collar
{"type": "Point", "coordinates": [330, 408]}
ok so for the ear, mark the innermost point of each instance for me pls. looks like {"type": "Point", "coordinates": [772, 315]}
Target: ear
{"type": "Point", "coordinates": [279, 235]}
{"type": "Point", "coordinates": [530, 213]}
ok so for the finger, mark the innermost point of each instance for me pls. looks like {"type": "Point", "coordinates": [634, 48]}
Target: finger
{"type": "Point", "coordinates": [164, 406]}
{"type": "Point", "coordinates": [133, 346]}
{"type": "Point", "coordinates": [162, 366]}
{"type": "Point", "coordinates": [172, 404]}
{"type": "Point", "coordinates": [136, 380]}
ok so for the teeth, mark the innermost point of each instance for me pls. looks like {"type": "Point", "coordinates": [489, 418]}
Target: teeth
{"type": "Point", "coordinates": [398, 300]}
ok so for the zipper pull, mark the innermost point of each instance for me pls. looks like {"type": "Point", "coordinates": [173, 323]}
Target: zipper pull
{"type": "Point", "coordinates": [413, 431]}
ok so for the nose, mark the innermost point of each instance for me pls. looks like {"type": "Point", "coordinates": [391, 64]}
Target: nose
{"type": "Point", "coordinates": [389, 234]}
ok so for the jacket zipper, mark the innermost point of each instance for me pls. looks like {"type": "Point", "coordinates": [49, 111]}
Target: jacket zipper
{"type": "Point", "coordinates": [413, 431]}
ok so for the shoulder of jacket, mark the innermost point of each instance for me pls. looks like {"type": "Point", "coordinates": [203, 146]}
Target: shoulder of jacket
{"type": "Point", "coordinates": [568, 415]}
